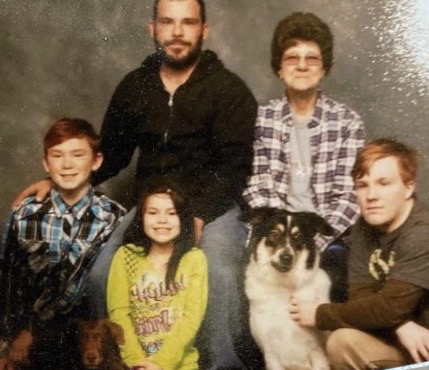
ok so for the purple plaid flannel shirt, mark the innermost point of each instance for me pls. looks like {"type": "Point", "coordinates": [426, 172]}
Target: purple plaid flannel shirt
{"type": "Point", "coordinates": [337, 135]}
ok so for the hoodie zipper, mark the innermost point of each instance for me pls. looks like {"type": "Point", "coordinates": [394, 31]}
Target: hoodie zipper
{"type": "Point", "coordinates": [170, 107]}
{"type": "Point", "coordinates": [166, 137]}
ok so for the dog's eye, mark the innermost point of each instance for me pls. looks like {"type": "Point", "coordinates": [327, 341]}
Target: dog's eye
{"type": "Point", "coordinates": [295, 236]}
{"type": "Point", "coordinates": [297, 240]}
{"type": "Point", "coordinates": [274, 238]}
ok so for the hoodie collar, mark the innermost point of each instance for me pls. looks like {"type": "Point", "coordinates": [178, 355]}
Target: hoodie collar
{"type": "Point", "coordinates": [207, 64]}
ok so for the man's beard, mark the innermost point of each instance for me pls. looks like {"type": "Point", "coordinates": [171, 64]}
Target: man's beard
{"type": "Point", "coordinates": [179, 63]}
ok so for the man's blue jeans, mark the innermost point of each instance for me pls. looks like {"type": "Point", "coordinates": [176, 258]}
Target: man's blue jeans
{"type": "Point", "coordinates": [223, 241]}
{"type": "Point", "coordinates": [97, 277]}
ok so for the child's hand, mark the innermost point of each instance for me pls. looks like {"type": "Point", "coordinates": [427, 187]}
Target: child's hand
{"type": "Point", "coordinates": [5, 364]}
{"type": "Point", "coordinates": [20, 348]}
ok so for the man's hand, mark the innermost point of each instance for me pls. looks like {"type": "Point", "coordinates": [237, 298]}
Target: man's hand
{"type": "Point", "coordinates": [39, 189]}
{"type": "Point", "coordinates": [415, 339]}
{"type": "Point", "coordinates": [303, 313]}
{"type": "Point", "coordinates": [198, 229]}
{"type": "Point", "coordinates": [20, 348]}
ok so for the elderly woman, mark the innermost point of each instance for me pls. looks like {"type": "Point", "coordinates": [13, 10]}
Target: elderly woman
{"type": "Point", "coordinates": [306, 143]}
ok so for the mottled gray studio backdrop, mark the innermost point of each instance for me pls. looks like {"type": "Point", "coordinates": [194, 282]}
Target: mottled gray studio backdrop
{"type": "Point", "coordinates": [65, 57]}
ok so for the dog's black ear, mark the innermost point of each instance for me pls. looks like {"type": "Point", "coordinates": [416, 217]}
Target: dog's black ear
{"type": "Point", "coordinates": [256, 216]}
{"type": "Point", "coordinates": [314, 224]}
{"type": "Point", "coordinates": [321, 225]}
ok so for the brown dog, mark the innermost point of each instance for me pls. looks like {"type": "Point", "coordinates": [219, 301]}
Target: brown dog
{"type": "Point", "coordinates": [98, 343]}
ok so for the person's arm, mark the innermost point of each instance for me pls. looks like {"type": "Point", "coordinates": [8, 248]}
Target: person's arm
{"type": "Point", "coordinates": [119, 311]}
{"type": "Point", "coordinates": [415, 339]}
{"type": "Point", "coordinates": [198, 229]}
{"type": "Point", "coordinates": [384, 309]}
{"type": "Point", "coordinates": [232, 131]}
{"type": "Point", "coordinates": [343, 211]}
{"type": "Point", "coordinates": [183, 331]}
{"type": "Point", "coordinates": [118, 132]}
{"type": "Point", "coordinates": [260, 186]}
{"type": "Point", "coordinates": [39, 189]}
{"type": "Point", "coordinates": [357, 290]}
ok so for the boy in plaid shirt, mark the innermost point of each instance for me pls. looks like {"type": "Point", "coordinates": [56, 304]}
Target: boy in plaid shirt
{"type": "Point", "coordinates": [49, 247]}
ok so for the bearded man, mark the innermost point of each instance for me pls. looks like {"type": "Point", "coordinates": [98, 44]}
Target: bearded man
{"type": "Point", "coordinates": [192, 121]}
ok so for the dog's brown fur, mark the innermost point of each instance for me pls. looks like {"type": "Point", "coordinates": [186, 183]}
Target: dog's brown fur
{"type": "Point", "coordinates": [98, 344]}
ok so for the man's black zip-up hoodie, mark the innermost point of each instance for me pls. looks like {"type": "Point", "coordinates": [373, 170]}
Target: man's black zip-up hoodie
{"type": "Point", "coordinates": [201, 137]}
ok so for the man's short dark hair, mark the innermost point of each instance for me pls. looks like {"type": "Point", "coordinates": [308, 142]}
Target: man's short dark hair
{"type": "Point", "coordinates": [200, 3]}
{"type": "Point", "coordinates": [304, 27]}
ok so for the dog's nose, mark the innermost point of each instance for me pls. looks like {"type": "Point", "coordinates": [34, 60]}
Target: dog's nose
{"type": "Point", "coordinates": [285, 259]}
{"type": "Point", "coordinates": [92, 358]}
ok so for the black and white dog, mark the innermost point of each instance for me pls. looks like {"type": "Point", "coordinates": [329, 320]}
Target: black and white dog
{"type": "Point", "coordinates": [284, 261]}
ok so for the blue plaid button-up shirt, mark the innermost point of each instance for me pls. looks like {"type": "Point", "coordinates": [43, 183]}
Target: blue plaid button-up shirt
{"type": "Point", "coordinates": [44, 267]}
{"type": "Point", "coordinates": [337, 134]}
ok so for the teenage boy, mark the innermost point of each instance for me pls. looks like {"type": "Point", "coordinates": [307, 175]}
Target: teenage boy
{"type": "Point", "coordinates": [389, 255]}
{"type": "Point", "coordinates": [49, 247]}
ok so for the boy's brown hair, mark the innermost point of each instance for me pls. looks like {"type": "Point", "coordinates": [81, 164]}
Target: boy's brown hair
{"type": "Point", "coordinates": [382, 148]}
{"type": "Point", "coordinates": [71, 128]}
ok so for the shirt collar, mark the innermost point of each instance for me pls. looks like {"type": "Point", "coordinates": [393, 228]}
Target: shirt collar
{"type": "Point", "coordinates": [78, 210]}
{"type": "Point", "coordinates": [317, 115]}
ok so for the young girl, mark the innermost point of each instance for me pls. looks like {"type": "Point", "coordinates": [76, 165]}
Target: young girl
{"type": "Point", "coordinates": [157, 286]}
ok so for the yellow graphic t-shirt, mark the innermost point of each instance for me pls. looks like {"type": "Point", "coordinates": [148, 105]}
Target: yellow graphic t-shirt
{"type": "Point", "coordinates": [159, 322]}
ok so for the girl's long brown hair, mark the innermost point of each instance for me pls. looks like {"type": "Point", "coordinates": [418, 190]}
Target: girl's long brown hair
{"type": "Point", "coordinates": [185, 241]}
